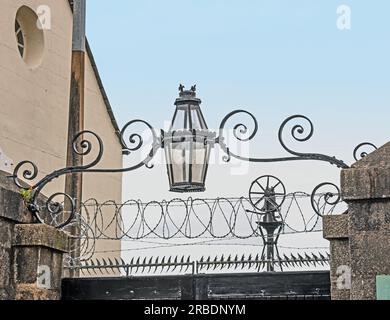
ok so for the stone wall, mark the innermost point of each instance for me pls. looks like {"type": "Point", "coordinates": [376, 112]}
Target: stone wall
{"type": "Point", "coordinates": [31, 254]}
{"type": "Point", "coordinates": [360, 240]}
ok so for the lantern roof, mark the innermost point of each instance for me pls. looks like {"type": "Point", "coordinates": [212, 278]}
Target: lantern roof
{"type": "Point", "coordinates": [188, 115]}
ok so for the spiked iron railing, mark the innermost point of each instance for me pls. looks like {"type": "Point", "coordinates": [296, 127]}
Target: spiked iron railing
{"type": "Point", "coordinates": [138, 266]}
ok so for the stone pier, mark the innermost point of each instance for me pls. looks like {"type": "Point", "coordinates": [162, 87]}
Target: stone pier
{"type": "Point", "coordinates": [360, 240]}
{"type": "Point", "coordinates": [31, 254]}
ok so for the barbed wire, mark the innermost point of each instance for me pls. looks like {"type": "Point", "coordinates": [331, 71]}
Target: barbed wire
{"type": "Point", "coordinates": [209, 219]}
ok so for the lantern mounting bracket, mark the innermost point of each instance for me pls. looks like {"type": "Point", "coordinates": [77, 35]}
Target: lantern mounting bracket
{"type": "Point", "coordinates": [61, 206]}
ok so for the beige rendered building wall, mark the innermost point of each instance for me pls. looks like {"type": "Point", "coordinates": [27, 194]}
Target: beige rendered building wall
{"type": "Point", "coordinates": [34, 106]}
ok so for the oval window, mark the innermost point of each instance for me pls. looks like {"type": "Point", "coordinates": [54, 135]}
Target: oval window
{"type": "Point", "coordinates": [29, 36]}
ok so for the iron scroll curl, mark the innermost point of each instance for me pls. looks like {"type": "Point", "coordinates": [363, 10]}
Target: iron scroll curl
{"type": "Point", "coordinates": [298, 133]}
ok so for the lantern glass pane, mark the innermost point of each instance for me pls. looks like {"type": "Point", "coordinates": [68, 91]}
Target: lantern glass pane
{"type": "Point", "coordinates": [199, 161]}
{"type": "Point", "coordinates": [180, 121]}
{"type": "Point", "coordinates": [196, 121]}
{"type": "Point", "coordinates": [180, 159]}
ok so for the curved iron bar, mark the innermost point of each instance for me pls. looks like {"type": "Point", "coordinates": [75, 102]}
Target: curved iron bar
{"type": "Point", "coordinates": [297, 131]}
{"type": "Point", "coordinates": [328, 198]}
{"type": "Point", "coordinates": [363, 154]}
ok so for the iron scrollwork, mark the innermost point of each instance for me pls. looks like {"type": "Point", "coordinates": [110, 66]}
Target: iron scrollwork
{"type": "Point", "coordinates": [359, 152]}
{"type": "Point", "coordinates": [325, 197]}
{"type": "Point", "coordinates": [60, 212]}
{"type": "Point", "coordinates": [298, 133]}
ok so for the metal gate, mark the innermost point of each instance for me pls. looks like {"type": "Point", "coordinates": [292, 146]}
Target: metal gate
{"type": "Point", "coordinates": [313, 285]}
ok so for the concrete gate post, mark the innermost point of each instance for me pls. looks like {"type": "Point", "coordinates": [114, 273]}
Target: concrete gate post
{"type": "Point", "coordinates": [360, 240]}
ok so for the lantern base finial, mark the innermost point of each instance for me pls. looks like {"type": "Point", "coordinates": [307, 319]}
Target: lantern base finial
{"type": "Point", "coordinates": [187, 187]}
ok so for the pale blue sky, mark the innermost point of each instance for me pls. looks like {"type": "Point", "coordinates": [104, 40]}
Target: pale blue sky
{"type": "Point", "coordinates": [275, 58]}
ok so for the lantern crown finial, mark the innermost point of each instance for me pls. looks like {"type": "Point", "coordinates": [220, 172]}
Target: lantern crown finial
{"type": "Point", "coordinates": [187, 93]}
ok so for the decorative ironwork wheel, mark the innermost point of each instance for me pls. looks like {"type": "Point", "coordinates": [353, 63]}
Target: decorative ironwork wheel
{"type": "Point", "coordinates": [267, 194]}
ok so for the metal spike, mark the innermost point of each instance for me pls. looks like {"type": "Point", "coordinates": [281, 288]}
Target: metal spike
{"type": "Point", "coordinates": [137, 264]}
{"type": "Point", "coordinates": [216, 262]}
{"type": "Point", "coordinates": [182, 263]}
{"type": "Point", "coordinates": [175, 264]}
{"type": "Point", "coordinates": [236, 262]}
{"type": "Point", "coordinates": [150, 264]}
{"type": "Point", "coordinates": [111, 264]}
{"type": "Point", "coordinates": [250, 261]}
{"type": "Point", "coordinates": [105, 265]}
{"type": "Point", "coordinates": [156, 264]}
{"type": "Point", "coordinates": [163, 265]}
{"type": "Point", "coordinates": [144, 265]}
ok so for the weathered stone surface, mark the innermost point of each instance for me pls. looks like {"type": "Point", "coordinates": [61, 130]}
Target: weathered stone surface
{"type": "Point", "coordinates": [7, 293]}
{"type": "Point", "coordinates": [26, 250]}
{"type": "Point", "coordinates": [336, 227]}
{"type": "Point", "coordinates": [366, 189]}
{"type": "Point", "coordinates": [32, 292]}
{"type": "Point", "coordinates": [12, 207]}
{"type": "Point", "coordinates": [370, 253]}
{"type": "Point", "coordinates": [363, 287]}
{"type": "Point", "coordinates": [369, 215]}
{"type": "Point", "coordinates": [25, 264]}
{"type": "Point", "coordinates": [367, 183]}
{"type": "Point", "coordinates": [340, 257]}
{"type": "Point", "coordinates": [5, 265]}
{"type": "Point", "coordinates": [6, 229]}
{"type": "Point", "coordinates": [40, 235]}
{"type": "Point", "coordinates": [369, 178]}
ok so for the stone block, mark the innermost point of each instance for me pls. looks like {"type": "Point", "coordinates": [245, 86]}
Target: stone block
{"type": "Point", "coordinates": [6, 228]}
{"type": "Point", "coordinates": [32, 292]}
{"type": "Point", "coordinates": [363, 287]}
{"type": "Point", "coordinates": [5, 267]}
{"type": "Point", "coordinates": [369, 215]}
{"type": "Point", "coordinates": [33, 235]}
{"type": "Point", "coordinates": [339, 254]}
{"type": "Point", "coordinates": [26, 261]}
{"type": "Point", "coordinates": [12, 207]}
{"type": "Point", "coordinates": [6, 294]}
{"type": "Point", "coordinates": [370, 253]}
{"type": "Point", "coordinates": [338, 293]}
{"type": "Point", "coordinates": [336, 227]}
{"type": "Point", "coordinates": [361, 184]}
